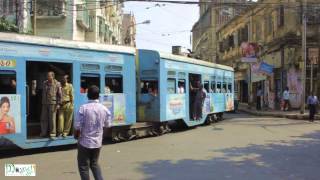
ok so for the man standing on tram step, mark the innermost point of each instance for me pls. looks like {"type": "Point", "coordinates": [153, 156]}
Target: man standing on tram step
{"type": "Point", "coordinates": [66, 110]}
{"type": "Point", "coordinates": [90, 120]}
{"type": "Point", "coordinates": [51, 100]}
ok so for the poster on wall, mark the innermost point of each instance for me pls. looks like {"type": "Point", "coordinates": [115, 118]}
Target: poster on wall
{"type": "Point", "coordinates": [10, 116]}
{"type": "Point", "coordinates": [116, 104]}
{"type": "Point", "coordinates": [176, 108]}
{"type": "Point", "coordinates": [295, 87]}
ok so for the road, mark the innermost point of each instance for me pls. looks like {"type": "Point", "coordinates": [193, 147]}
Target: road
{"type": "Point", "coordinates": [242, 147]}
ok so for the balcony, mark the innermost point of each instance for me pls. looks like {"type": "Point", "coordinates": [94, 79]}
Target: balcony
{"type": "Point", "coordinates": [51, 9]}
{"type": "Point", "coordinates": [83, 16]}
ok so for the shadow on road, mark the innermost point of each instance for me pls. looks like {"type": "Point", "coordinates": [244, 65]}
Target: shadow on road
{"type": "Point", "coordinates": [298, 159]}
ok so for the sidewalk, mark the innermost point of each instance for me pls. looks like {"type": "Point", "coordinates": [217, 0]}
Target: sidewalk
{"type": "Point", "coordinates": [295, 114]}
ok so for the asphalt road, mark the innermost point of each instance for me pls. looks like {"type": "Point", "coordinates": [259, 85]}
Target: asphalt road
{"type": "Point", "coordinates": [242, 147]}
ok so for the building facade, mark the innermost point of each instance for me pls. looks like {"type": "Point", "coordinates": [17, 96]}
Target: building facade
{"type": "Point", "coordinates": [273, 30]}
{"type": "Point", "coordinates": [98, 21]}
{"type": "Point", "coordinates": [80, 20]}
{"type": "Point", "coordinates": [16, 15]}
{"type": "Point", "coordinates": [128, 30]}
{"type": "Point", "coordinates": [212, 17]}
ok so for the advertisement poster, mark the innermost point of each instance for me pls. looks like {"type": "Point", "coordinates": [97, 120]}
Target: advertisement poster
{"type": "Point", "coordinates": [207, 106]}
{"type": "Point", "coordinates": [218, 101]}
{"type": "Point", "coordinates": [10, 114]}
{"type": "Point", "coordinates": [229, 102]}
{"type": "Point", "coordinates": [295, 87]}
{"type": "Point", "coordinates": [116, 104]}
{"type": "Point", "coordinates": [176, 108]}
{"type": "Point", "coordinates": [248, 52]}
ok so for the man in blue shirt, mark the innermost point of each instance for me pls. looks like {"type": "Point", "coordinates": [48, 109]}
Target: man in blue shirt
{"type": "Point", "coordinates": [91, 118]}
{"type": "Point", "coordinates": [312, 102]}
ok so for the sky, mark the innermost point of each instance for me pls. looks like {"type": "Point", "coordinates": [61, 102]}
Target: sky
{"type": "Point", "coordinates": [170, 25]}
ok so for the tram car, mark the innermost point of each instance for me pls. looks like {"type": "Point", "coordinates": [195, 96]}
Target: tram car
{"type": "Point", "coordinates": [167, 89]}
{"type": "Point", "coordinates": [24, 64]}
{"type": "Point", "coordinates": [143, 89]}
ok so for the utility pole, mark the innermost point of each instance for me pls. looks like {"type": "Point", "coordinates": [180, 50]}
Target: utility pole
{"type": "Point", "coordinates": [34, 18]}
{"type": "Point", "coordinates": [304, 56]}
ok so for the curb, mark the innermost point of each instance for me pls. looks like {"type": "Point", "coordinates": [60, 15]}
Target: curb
{"type": "Point", "coordinates": [288, 116]}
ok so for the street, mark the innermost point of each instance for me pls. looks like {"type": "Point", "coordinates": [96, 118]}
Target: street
{"type": "Point", "coordinates": [241, 147]}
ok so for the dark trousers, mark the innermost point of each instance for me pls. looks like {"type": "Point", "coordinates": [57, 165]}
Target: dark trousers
{"type": "Point", "coordinates": [258, 102]}
{"type": "Point", "coordinates": [89, 158]}
{"type": "Point", "coordinates": [286, 104]}
{"type": "Point", "coordinates": [312, 111]}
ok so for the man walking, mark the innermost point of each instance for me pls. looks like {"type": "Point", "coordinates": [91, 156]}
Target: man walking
{"type": "Point", "coordinates": [259, 98]}
{"type": "Point", "coordinates": [66, 110]}
{"type": "Point", "coordinates": [286, 96]}
{"type": "Point", "coordinates": [91, 118]}
{"type": "Point", "coordinates": [51, 100]}
{"type": "Point", "coordinates": [312, 102]}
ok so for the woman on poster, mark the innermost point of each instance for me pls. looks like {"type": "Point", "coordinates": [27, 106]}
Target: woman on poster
{"type": "Point", "coordinates": [7, 125]}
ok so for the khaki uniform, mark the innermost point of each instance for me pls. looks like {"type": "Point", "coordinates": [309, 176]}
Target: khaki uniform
{"type": "Point", "coordinates": [51, 97]}
{"type": "Point", "coordinates": [66, 110]}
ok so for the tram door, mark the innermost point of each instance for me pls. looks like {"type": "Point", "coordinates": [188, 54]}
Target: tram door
{"type": "Point", "coordinates": [36, 74]}
{"type": "Point", "coordinates": [194, 81]}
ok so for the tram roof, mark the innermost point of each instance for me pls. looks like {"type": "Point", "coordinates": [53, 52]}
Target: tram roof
{"type": "Point", "coordinates": [194, 61]}
{"type": "Point", "coordinates": [45, 41]}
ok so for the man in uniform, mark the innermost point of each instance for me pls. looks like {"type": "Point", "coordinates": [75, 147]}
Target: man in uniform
{"type": "Point", "coordinates": [66, 110]}
{"type": "Point", "coordinates": [51, 100]}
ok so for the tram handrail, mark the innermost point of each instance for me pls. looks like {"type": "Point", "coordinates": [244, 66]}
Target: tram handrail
{"type": "Point", "coordinates": [28, 99]}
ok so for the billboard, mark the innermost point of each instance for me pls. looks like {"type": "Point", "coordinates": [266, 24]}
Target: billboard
{"type": "Point", "coordinates": [10, 114]}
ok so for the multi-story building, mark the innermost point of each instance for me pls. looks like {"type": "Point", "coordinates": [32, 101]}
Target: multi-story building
{"type": "Point", "coordinates": [83, 20]}
{"type": "Point", "coordinates": [93, 21]}
{"type": "Point", "coordinates": [128, 30]}
{"type": "Point", "coordinates": [274, 30]}
{"type": "Point", "coordinates": [212, 16]}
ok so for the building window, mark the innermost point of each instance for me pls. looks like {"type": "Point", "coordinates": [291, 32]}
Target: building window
{"type": "Point", "coordinates": [281, 16]}
{"type": "Point", "coordinates": [7, 6]}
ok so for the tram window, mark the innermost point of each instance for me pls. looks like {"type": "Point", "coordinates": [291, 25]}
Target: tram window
{"type": "Point", "coordinates": [171, 86]}
{"type": "Point", "coordinates": [213, 86]}
{"type": "Point", "coordinates": [8, 83]}
{"type": "Point", "coordinates": [206, 86]}
{"type": "Point", "coordinates": [229, 88]}
{"type": "Point", "coordinates": [149, 86]}
{"type": "Point", "coordinates": [113, 84]}
{"type": "Point", "coordinates": [88, 80]}
{"type": "Point", "coordinates": [224, 88]}
{"type": "Point", "coordinates": [181, 86]}
{"type": "Point", "coordinates": [218, 90]}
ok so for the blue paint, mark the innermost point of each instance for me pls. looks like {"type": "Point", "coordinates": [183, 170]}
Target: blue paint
{"type": "Point", "coordinates": [23, 53]}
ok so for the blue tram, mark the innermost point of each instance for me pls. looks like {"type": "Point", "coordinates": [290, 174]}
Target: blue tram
{"type": "Point", "coordinates": [144, 89]}
{"type": "Point", "coordinates": [165, 83]}
{"type": "Point", "coordinates": [24, 63]}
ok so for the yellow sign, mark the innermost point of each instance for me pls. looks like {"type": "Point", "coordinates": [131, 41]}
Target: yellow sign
{"type": "Point", "coordinates": [7, 63]}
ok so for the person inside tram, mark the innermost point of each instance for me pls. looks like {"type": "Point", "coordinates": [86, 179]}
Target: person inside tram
{"type": "Point", "coordinates": [144, 89]}
{"type": "Point", "coordinates": [199, 102]}
{"type": "Point", "coordinates": [181, 88]}
{"type": "Point", "coordinates": [13, 85]}
{"type": "Point", "coordinates": [107, 90]}
{"type": "Point", "coordinates": [7, 125]}
{"type": "Point", "coordinates": [193, 94]}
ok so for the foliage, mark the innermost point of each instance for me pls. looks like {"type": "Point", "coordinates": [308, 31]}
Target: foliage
{"type": "Point", "coordinates": [6, 26]}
